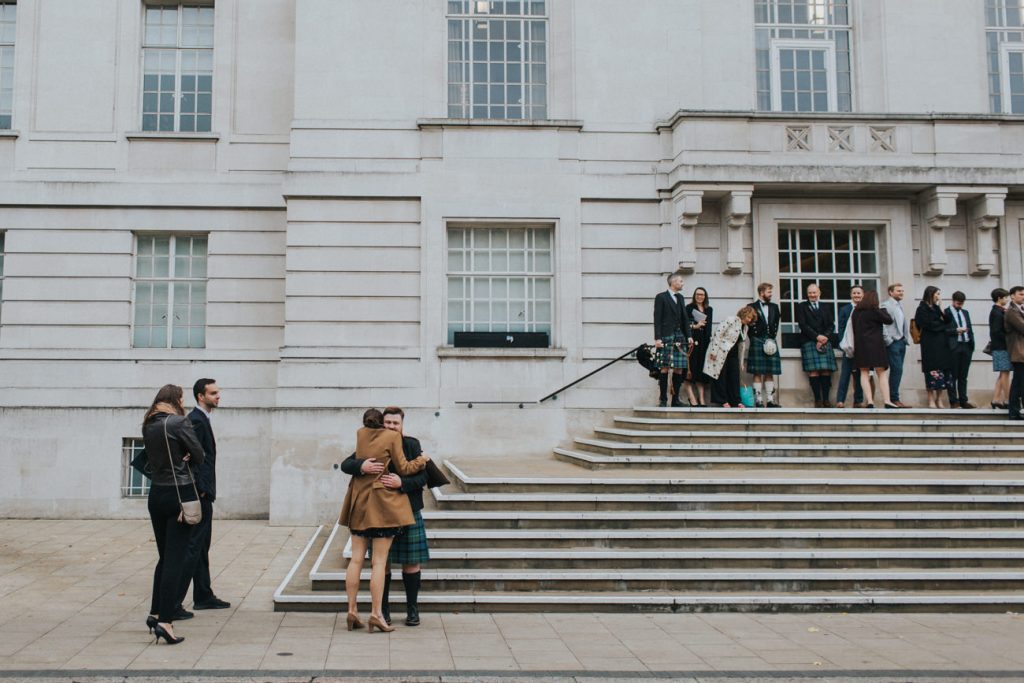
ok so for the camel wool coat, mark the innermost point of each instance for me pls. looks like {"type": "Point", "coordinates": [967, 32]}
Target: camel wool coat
{"type": "Point", "coordinates": [368, 503]}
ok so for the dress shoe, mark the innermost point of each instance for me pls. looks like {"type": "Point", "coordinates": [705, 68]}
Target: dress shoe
{"type": "Point", "coordinates": [967, 405]}
{"type": "Point", "coordinates": [901, 404]}
{"type": "Point", "coordinates": [859, 405]}
{"type": "Point", "coordinates": [378, 624]}
{"type": "Point", "coordinates": [1016, 417]}
{"type": "Point", "coordinates": [151, 623]}
{"type": "Point", "coordinates": [663, 404]}
{"type": "Point", "coordinates": [772, 404]}
{"type": "Point", "coordinates": [412, 615]}
{"type": "Point", "coordinates": [817, 404]}
{"type": "Point", "coordinates": [352, 621]}
{"type": "Point", "coordinates": [182, 614]}
{"type": "Point", "coordinates": [162, 633]}
{"type": "Point", "coordinates": [840, 405]}
{"type": "Point", "coordinates": [677, 404]}
{"type": "Point", "coordinates": [826, 404]}
{"type": "Point", "coordinates": [212, 603]}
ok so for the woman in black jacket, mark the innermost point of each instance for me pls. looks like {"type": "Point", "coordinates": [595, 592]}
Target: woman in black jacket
{"type": "Point", "coordinates": [869, 351]}
{"type": "Point", "coordinates": [171, 446]}
{"type": "Point", "coordinates": [701, 317]}
{"type": "Point", "coordinates": [1000, 354]}
{"type": "Point", "coordinates": [937, 333]}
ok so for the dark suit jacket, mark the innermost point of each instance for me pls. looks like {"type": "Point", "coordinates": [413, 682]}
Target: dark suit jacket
{"type": "Point", "coordinates": [670, 317]}
{"type": "Point", "coordinates": [970, 327]}
{"type": "Point", "coordinates": [844, 317]}
{"type": "Point", "coordinates": [815, 322]}
{"type": "Point", "coordinates": [412, 486]}
{"type": "Point", "coordinates": [206, 477]}
{"type": "Point", "coordinates": [766, 329]}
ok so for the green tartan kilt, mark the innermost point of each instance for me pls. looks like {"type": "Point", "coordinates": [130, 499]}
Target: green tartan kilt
{"type": "Point", "coordinates": [817, 361]}
{"type": "Point", "coordinates": [672, 356]}
{"type": "Point", "coordinates": [759, 363]}
{"type": "Point", "coordinates": [411, 547]}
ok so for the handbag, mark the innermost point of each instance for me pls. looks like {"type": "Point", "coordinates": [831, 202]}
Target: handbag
{"type": "Point", "coordinates": [747, 396]}
{"type": "Point", "coordinates": [191, 510]}
{"type": "Point", "coordinates": [988, 348]}
{"type": "Point", "coordinates": [770, 347]}
{"type": "Point", "coordinates": [915, 332]}
{"type": "Point", "coordinates": [140, 463]}
{"type": "Point", "coordinates": [435, 477]}
{"type": "Point", "coordinates": [846, 343]}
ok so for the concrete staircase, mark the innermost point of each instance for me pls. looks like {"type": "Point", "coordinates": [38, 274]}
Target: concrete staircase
{"type": "Point", "coordinates": [702, 509]}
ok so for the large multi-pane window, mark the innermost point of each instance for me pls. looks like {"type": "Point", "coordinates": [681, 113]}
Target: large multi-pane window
{"type": "Point", "coordinates": [177, 67]}
{"type": "Point", "coordinates": [8, 24]}
{"type": "Point", "coordinates": [170, 291]}
{"type": "Point", "coordinates": [133, 483]}
{"type": "Point", "coordinates": [803, 55]}
{"type": "Point", "coordinates": [1004, 39]}
{"type": "Point", "coordinates": [835, 259]}
{"type": "Point", "coordinates": [499, 279]}
{"type": "Point", "coordinates": [497, 59]}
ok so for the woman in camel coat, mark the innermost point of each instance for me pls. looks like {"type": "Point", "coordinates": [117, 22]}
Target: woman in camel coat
{"type": "Point", "coordinates": [375, 514]}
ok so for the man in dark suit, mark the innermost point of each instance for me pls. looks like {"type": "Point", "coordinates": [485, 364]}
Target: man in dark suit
{"type": "Point", "coordinates": [409, 549]}
{"type": "Point", "coordinates": [846, 371]}
{"type": "Point", "coordinates": [817, 327]}
{"type": "Point", "coordinates": [672, 338]}
{"type": "Point", "coordinates": [197, 557]}
{"type": "Point", "coordinates": [764, 366]}
{"type": "Point", "coordinates": [1013, 325]}
{"type": "Point", "coordinates": [962, 351]}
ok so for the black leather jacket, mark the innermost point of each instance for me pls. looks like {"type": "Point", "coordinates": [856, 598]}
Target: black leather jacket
{"type": "Point", "coordinates": [182, 440]}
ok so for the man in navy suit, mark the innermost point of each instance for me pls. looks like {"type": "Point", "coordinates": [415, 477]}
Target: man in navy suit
{"type": "Point", "coordinates": [197, 557]}
{"type": "Point", "coordinates": [962, 352]}
{"type": "Point", "coordinates": [672, 338]}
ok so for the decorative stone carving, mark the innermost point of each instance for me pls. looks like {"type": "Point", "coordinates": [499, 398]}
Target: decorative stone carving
{"type": "Point", "coordinates": [982, 231]}
{"type": "Point", "coordinates": [840, 139]}
{"type": "Point", "coordinates": [798, 138]}
{"type": "Point", "coordinates": [688, 204]}
{"type": "Point", "coordinates": [735, 212]}
{"type": "Point", "coordinates": [938, 207]}
{"type": "Point", "coordinates": [883, 138]}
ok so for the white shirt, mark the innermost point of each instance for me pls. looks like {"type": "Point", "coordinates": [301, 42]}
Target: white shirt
{"type": "Point", "coordinates": [960, 322]}
{"type": "Point", "coordinates": [209, 416]}
{"type": "Point", "coordinates": [898, 329]}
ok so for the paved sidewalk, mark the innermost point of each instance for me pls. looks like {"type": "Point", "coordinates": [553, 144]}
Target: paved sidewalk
{"type": "Point", "coordinates": [74, 596]}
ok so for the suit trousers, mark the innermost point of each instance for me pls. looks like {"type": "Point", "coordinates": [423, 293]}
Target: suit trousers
{"type": "Point", "coordinates": [197, 558]}
{"type": "Point", "coordinates": [961, 365]}
{"type": "Point", "coordinates": [172, 538]}
{"type": "Point", "coordinates": [897, 353]}
{"type": "Point", "coordinates": [1017, 389]}
{"type": "Point", "coordinates": [845, 373]}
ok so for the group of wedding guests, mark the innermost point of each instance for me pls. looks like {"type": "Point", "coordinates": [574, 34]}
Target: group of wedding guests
{"type": "Point", "coordinates": [872, 337]}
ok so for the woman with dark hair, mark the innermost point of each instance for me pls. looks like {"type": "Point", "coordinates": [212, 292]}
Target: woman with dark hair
{"type": "Point", "coordinates": [937, 331]}
{"type": "Point", "coordinates": [723, 359]}
{"type": "Point", "coordinates": [375, 514]}
{"type": "Point", "coordinates": [1000, 354]}
{"type": "Point", "coordinates": [701, 319]}
{"type": "Point", "coordinates": [869, 351]}
{"type": "Point", "coordinates": [171, 447]}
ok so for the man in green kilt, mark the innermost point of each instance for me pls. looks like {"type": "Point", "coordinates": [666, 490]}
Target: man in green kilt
{"type": "Point", "coordinates": [817, 328]}
{"type": "Point", "coordinates": [672, 339]}
{"type": "Point", "coordinates": [763, 359]}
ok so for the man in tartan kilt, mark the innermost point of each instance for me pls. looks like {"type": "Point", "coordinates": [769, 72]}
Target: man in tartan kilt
{"type": "Point", "coordinates": [409, 549]}
{"type": "Point", "coordinates": [672, 339]}
{"type": "Point", "coordinates": [764, 366]}
{"type": "Point", "coordinates": [817, 328]}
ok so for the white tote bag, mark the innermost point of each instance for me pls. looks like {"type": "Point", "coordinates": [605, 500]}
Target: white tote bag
{"type": "Point", "coordinates": [846, 343]}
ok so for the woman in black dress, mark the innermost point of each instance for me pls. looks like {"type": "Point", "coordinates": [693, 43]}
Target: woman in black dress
{"type": "Point", "coordinates": [701, 333]}
{"type": "Point", "coordinates": [936, 354]}
{"type": "Point", "coordinates": [869, 347]}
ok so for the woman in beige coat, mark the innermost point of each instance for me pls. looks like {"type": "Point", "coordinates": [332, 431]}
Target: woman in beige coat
{"type": "Point", "coordinates": [375, 514]}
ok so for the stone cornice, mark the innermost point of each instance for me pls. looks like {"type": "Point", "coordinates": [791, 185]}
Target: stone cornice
{"type": "Point", "coordinates": [876, 117]}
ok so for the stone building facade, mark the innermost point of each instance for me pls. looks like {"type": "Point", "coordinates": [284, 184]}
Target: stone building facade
{"type": "Point", "coordinates": [307, 199]}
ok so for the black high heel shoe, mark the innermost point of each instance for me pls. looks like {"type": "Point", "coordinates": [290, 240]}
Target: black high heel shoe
{"type": "Point", "coordinates": [151, 623]}
{"type": "Point", "coordinates": [162, 633]}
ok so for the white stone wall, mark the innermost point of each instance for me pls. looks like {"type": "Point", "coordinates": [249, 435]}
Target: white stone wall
{"type": "Point", "coordinates": [331, 176]}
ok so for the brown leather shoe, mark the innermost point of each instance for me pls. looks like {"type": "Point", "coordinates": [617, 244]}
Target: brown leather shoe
{"type": "Point", "coordinates": [817, 404]}
{"type": "Point", "coordinates": [967, 405]}
{"type": "Point", "coordinates": [901, 404]}
{"type": "Point", "coordinates": [860, 405]}
{"type": "Point", "coordinates": [826, 404]}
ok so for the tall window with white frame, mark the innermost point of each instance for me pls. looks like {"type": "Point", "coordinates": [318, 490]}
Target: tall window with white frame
{"type": "Point", "coordinates": [497, 59]}
{"type": "Point", "coordinates": [133, 483]}
{"type": "Point", "coordinates": [834, 258]}
{"type": "Point", "coordinates": [500, 279]}
{"type": "Point", "coordinates": [803, 55]}
{"type": "Point", "coordinates": [177, 67]}
{"type": "Point", "coordinates": [1004, 40]}
{"type": "Point", "coordinates": [170, 291]}
{"type": "Point", "coordinates": [8, 24]}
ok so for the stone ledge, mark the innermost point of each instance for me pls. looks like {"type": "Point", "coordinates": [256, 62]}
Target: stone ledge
{"type": "Point", "coordinates": [542, 124]}
{"type": "Point", "coordinates": [168, 135]}
{"type": "Point", "coordinates": [502, 352]}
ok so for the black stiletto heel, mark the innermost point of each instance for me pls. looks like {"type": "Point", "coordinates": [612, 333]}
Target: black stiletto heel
{"type": "Point", "coordinates": [151, 622]}
{"type": "Point", "coordinates": [162, 633]}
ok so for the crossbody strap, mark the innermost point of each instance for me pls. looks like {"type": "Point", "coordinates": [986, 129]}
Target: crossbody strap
{"type": "Point", "coordinates": [171, 460]}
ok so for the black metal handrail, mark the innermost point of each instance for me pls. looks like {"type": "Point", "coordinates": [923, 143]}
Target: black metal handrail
{"type": "Point", "coordinates": [555, 393]}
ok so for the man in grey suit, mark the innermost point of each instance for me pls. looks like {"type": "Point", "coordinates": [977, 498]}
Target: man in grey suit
{"type": "Point", "coordinates": [895, 336]}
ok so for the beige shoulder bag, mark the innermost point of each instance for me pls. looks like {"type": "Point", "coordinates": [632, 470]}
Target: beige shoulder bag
{"type": "Point", "coordinates": [191, 510]}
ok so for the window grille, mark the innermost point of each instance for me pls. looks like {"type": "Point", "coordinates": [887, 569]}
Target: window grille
{"type": "Point", "coordinates": [170, 291]}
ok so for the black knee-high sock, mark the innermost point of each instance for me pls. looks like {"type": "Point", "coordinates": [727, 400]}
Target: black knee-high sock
{"type": "Point", "coordinates": [663, 387]}
{"type": "Point", "coordinates": [826, 387]}
{"type": "Point", "coordinates": [412, 588]}
{"type": "Point", "coordinates": [677, 385]}
{"type": "Point", "coordinates": [815, 388]}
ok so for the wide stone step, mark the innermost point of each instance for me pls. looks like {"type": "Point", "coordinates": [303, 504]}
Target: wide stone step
{"type": "Point", "coordinates": [598, 461]}
{"type": "Point", "coordinates": [818, 436]}
{"type": "Point", "coordinates": [773, 521]}
{"type": "Point", "coordinates": [739, 421]}
{"type": "Point", "coordinates": [850, 414]}
{"type": "Point", "coordinates": [567, 539]}
{"type": "Point", "coordinates": [798, 447]}
{"type": "Point", "coordinates": [780, 580]}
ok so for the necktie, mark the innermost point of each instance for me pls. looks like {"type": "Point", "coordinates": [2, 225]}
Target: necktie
{"type": "Point", "coordinates": [814, 305]}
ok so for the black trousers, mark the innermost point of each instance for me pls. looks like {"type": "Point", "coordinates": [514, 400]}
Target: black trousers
{"type": "Point", "coordinates": [727, 388]}
{"type": "Point", "coordinates": [1017, 389]}
{"type": "Point", "coordinates": [957, 387]}
{"type": "Point", "coordinates": [197, 558]}
{"type": "Point", "coordinates": [172, 539]}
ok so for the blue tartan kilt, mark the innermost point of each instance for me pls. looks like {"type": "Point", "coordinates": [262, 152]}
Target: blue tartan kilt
{"type": "Point", "coordinates": [759, 363]}
{"type": "Point", "coordinates": [411, 547]}
{"type": "Point", "coordinates": [672, 356]}
{"type": "Point", "coordinates": [815, 360]}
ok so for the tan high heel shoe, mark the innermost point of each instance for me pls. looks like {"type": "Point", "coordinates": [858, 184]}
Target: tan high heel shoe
{"type": "Point", "coordinates": [379, 623]}
{"type": "Point", "coordinates": [353, 622]}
